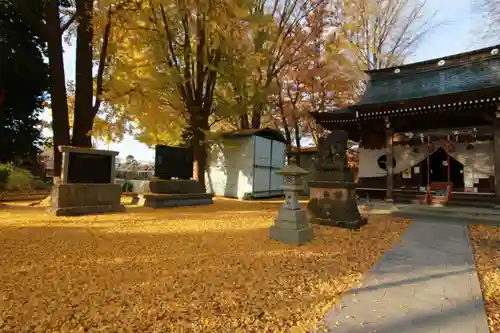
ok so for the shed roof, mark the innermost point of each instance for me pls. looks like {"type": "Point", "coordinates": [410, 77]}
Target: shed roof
{"type": "Point", "coordinates": [267, 132]}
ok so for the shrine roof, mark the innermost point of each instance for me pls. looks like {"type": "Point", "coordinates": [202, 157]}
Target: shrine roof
{"type": "Point", "coordinates": [455, 74]}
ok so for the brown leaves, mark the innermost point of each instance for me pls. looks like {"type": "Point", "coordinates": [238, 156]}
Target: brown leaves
{"type": "Point", "coordinates": [486, 244]}
{"type": "Point", "coordinates": [196, 269]}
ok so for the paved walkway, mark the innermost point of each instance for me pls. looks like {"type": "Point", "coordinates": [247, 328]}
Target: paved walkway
{"type": "Point", "coordinates": [425, 284]}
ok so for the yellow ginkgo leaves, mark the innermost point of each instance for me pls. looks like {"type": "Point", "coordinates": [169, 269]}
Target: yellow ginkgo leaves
{"type": "Point", "coordinates": [486, 244]}
{"type": "Point", "coordinates": [195, 269]}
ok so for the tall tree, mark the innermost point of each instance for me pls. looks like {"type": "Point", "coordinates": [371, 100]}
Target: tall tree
{"type": "Point", "coordinates": [326, 79]}
{"type": "Point", "coordinates": [52, 18]}
{"type": "Point", "coordinates": [384, 32]}
{"type": "Point", "coordinates": [278, 35]}
{"type": "Point", "coordinates": [491, 13]}
{"type": "Point", "coordinates": [23, 86]}
{"type": "Point", "coordinates": [84, 82]}
{"type": "Point", "coordinates": [45, 17]}
{"type": "Point", "coordinates": [170, 61]}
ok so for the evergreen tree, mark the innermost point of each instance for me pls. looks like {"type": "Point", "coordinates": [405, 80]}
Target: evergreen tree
{"type": "Point", "coordinates": [23, 83]}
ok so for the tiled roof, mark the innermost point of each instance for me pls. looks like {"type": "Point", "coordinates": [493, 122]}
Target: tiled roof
{"type": "Point", "coordinates": [470, 71]}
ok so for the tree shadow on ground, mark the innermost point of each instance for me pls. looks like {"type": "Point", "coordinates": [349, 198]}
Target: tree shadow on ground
{"type": "Point", "coordinates": [454, 317]}
{"type": "Point", "coordinates": [398, 283]}
{"type": "Point", "coordinates": [100, 276]}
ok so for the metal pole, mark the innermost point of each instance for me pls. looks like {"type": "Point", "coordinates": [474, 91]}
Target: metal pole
{"type": "Point", "coordinates": [449, 186]}
{"type": "Point", "coordinates": [448, 160]}
{"type": "Point", "coordinates": [428, 193]}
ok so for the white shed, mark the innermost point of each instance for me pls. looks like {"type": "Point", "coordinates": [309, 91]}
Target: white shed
{"type": "Point", "coordinates": [243, 164]}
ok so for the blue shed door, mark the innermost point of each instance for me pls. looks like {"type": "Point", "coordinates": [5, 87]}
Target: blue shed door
{"type": "Point", "coordinates": [269, 157]}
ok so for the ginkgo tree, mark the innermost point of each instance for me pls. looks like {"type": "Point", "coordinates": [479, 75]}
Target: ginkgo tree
{"type": "Point", "coordinates": [167, 66]}
{"type": "Point", "coordinates": [278, 35]}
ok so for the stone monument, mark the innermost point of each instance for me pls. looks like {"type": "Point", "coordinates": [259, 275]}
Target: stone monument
{"type": "Point", "coordinates": [166, 191]}
{"type": "Point", "coordinates": [291, 225]}
{"type": "Point", "coordinates": [332, 199]}
{"type": "Point", "coordinates": [87, 182]}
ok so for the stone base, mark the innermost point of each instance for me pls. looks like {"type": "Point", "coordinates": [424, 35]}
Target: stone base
{"type": "Point", "coordinates": [176, 186]}
{"type": "Point", "coordinates": [336, 207]}
{"type": "Point", "coordinates": [291, 227]}
{"type": "Point", "coordinates": [75, 211]}
{"type": "Point", "coordinates": [156, 200]}
{"type": "Point", "coordinates": [356, 224]}
{"type": "Point", "coordinates": [291, 236]}
{"type": "Point", "coordinates": [81, 199]}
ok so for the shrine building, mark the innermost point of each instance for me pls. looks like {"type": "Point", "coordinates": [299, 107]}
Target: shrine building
{"type": "Point", "coordinates": [438, 122]}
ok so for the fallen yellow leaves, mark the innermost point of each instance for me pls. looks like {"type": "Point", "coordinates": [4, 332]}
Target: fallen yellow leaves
{"type": "Point", "coordinates": [195, 269]}
{"type": "Point", "coordinates": [486, 244]}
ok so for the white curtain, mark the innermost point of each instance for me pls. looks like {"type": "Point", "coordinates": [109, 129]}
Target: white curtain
{"type": "Point", "coordinates": [478, 162]}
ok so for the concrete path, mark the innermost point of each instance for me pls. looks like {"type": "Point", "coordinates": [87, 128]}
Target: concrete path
{"type": "Point", "coordinates": [425, 284]}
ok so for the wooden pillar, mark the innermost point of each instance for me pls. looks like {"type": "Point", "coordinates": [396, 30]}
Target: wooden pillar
{"type": "Point", "coordinates": [496, 150]}
{"type": "Point", "coordinates": [389, 133]}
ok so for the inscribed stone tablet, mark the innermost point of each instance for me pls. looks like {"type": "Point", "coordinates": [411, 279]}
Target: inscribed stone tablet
{"type": "Point", "coordinates": [89, 168]}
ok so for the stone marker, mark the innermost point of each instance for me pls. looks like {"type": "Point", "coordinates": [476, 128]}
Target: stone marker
{"type": "Point", "coordinates": [332, 199]}
{"type": "Point", "coordinates": [291, 225]}
{"type": "Point", "coordinates": [87, 182]}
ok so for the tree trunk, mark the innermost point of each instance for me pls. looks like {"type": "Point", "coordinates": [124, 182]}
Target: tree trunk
{"type": "Point", "coordinates": [198, 126]}
{"type": "Point", "coordinates": [297, 137]}
{"type": "Point", "coordinates": [2, 95]}
{"type": "Point", "coordinates": [288, 135]}
{"type": "Point", "coordinates": [84, 112]}
{"type": "Point", "coordinates": [60, 122]}
{"type": "Point", "coordinates": [244, 124]}
{"type": "Point", "coordinates": [256, 116]}
{"type": "Point", "coordinates": [288, 138]}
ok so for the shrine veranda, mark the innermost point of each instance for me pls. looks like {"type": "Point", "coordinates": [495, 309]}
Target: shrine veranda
{"type": "Point", "coordinates": [438, 121]}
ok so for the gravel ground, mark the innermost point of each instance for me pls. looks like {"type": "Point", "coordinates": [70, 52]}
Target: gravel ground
{"type": "Point", "coordinates": [486, 244]}
{"type": "Point", "coordinates": [195, 269]}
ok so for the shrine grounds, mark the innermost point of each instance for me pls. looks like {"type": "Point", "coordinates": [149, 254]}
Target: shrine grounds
{"type": "Point", "coordinates": [190, 269]}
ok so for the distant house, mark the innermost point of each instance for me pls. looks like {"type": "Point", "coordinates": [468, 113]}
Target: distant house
{"type": "Point", "coordinates": [46, 160]}
{"type": "Point", "coordinates": [243, 164]}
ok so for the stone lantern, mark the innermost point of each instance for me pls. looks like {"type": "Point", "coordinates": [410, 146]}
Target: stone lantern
{"type": "Point", "coordinates": [291, 225]}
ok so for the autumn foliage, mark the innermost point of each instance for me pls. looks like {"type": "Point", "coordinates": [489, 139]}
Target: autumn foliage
{"type": "Point", "coordinates": [195, 269]}
{"type": "Point", "coordinates": [178, 71]}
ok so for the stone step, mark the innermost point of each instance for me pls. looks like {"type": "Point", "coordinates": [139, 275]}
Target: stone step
{"type": "Point", "coordinates": [451, 214]}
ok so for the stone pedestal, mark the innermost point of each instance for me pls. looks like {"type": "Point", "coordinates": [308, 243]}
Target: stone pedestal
{"type": "Point", "coordinates": [291, 225]}
{"type": "Point", "coordinates": [175, 193]}
{"type": "Point", "coordinates": [87, 183]}
{"type": "Point", "coordinates": [334, 204]}
{"type": "Point", "coordinates": [80, 199]}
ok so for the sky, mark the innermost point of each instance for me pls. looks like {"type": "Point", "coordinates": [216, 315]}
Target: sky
{"type": "Point", "coordinates": [456, 34]}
